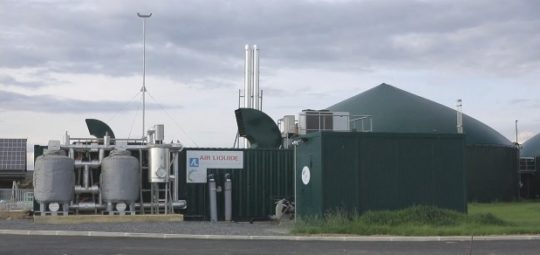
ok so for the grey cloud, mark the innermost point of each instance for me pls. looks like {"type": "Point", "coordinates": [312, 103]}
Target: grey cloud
{"type": "Point", "coordinates": [190, 40]}
{"type": "Point", "coordinates": [12, 101]}
{"type": "Point", "coordinates": [8, 80]}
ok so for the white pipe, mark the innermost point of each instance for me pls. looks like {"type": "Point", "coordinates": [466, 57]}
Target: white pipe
{"type": "Point", "coordinates": [250, 89]}
{"type": "Point", "coordinates": [256, 103]}
{"type": "Point", "coordinates": [246, 78]}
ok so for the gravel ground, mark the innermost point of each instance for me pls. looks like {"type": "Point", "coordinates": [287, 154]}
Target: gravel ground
{"type": "Point", "coordinates": [186, 227]}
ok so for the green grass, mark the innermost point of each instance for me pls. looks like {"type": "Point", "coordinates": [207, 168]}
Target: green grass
{"type": "Point", "coordinates": [483, 219]}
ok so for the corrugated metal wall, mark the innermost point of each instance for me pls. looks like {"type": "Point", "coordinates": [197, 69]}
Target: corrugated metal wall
{"type": "Point", "coordinates": [374, 171]}
{"type": "Point", "coordinates": [492, 173]}
{"type": "Point", "coordinates": [267, 176]}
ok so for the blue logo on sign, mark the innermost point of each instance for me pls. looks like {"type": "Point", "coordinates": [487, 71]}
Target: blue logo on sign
{"type": "Point", "coordinates": [193, 162]}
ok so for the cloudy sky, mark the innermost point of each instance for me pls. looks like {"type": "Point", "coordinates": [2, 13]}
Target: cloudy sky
{"type": "Point", "coordinates": [64, 61]}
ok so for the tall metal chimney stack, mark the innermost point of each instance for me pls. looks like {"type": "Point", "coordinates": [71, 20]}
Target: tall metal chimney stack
{"type": "Point", "coordinates": [256, 90]}
{"type": "Point", "coordinates": [252, 91]}
{"type": "Point", "coordinates": [247, 74]}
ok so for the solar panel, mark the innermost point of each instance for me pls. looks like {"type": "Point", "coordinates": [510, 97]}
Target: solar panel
{"type": "Point", "coordinates": [12, 154]}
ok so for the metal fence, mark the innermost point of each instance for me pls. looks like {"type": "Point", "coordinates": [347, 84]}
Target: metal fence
{"type": "Point", "coordinates": [16, 199]}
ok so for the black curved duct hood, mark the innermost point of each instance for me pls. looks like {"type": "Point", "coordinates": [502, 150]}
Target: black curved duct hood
{"type": "Point", "coordinates": [260, 130]}
{"type": "Point", "coordinates": [98, 128]}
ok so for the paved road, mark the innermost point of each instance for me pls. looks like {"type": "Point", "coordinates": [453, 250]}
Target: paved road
{"type": "Point", "coordinates": [44, 245]}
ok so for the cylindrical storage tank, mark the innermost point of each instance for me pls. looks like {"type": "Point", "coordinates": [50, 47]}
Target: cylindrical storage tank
{"type": "Point", "coordinates": [54, 177]}
{"type": "Point", "coordinates": [158, 163]}
{"type": "Point", "coordinates": [120, 174]}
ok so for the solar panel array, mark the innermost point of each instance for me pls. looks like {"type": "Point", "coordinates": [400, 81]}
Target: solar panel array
{"type": "Point", "coordinates": [12, 154]}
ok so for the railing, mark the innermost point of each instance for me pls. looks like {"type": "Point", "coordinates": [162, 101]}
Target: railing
{"type": "Point", "coordinates": [332, 121]}
{"type": "Point", "coordinates": [16, 199]}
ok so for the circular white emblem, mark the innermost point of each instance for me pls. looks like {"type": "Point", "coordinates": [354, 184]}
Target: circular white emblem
{"type": "Point", "coordinates": [121, 207]}
{"type": "Point", "coordinates": [306, 175]}
{"type": "Point", "coordinates": [54, 207]}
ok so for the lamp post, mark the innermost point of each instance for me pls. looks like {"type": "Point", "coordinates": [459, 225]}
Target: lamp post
{"type": "Point", "coordinates": [143, 88]}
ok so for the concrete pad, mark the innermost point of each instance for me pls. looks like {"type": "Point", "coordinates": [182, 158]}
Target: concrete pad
{"type": "Point", "coordinates": [14, 215]}
{"type": "Point", "coordinates": [77, 219]}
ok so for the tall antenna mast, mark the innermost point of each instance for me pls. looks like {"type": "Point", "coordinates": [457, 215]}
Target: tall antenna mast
{"type": "Point", "coordinates": [143, 88]}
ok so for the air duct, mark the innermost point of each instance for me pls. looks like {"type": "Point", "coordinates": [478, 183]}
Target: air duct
{"type": "Point", "coordinates": [258, 128]}
{"type": "Point", "coordinates": [98, 128]}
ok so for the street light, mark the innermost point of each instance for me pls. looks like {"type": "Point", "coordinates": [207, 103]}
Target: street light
{"type": "Point", "coordinates": [143, 88]}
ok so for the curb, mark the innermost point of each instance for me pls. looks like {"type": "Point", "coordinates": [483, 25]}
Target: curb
{"type": "Point", "coordinates": [269, 238]}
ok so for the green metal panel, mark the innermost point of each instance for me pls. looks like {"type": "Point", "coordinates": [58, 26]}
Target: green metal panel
{"type": "Point", "coordinates": [267, 177]}
{"type": "Point", "coordinates": [312, 194]}
{"type": "Point", "coordinates": [492, 173]}
{"type": "Point", "coordinates": [376, 171]}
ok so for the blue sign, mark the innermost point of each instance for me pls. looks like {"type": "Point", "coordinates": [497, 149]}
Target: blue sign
{"type": "Point", "coordinates": [193, 162]}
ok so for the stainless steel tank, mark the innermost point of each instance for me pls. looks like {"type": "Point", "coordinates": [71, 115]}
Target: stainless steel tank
{"type": "Point", "coordinates": [120, 177]}
{"type": "Point", "coordinates": [54, 177]}
{"type": "Point", "coordinates": [158, 163]}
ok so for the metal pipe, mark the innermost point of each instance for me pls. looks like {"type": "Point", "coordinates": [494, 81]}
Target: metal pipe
{"type": "Point", "coordinates": [294, 179]}
{"type": "Point", "coordinates": [87, 206]}
{"type": "Point", "coordinates": [256, 78]}
{"type": "Point", "coordinates": [94, 189]}
{"type": "Point", "coordinates": [86, 176]}
{"type": "Point", "coordinates": [246, 77]}
{"type": "Point", "coordinates": [212, 200]}
{"type": "Point", "coordinates": [175, 172]}
{"type": "Point", "coordinates": [459, 117]}
{"type": "Point", "coordinates": [91, 164]}
{"type": "Point", "coordinates": [228, 198]}
{"type": "Point", "coordinates": [180, 204]}
{"type": "Point", "coordinates": [85, 147]}
{"type": "Point", "coordinates": [106, 140]}
{"type": "Point", "coordinates": [517, 133]}
{"type": "Point", "coordinates": [101, 155]}
{"type": "Point", "coordinates": [260, 107]}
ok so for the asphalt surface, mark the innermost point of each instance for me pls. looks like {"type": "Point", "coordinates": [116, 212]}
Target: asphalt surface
{"type": "Point", "coordinates": [26, 237]}
{"type": "Point", "coordinates": [44, 245]}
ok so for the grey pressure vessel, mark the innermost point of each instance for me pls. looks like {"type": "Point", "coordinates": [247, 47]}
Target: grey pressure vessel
{"type": "Point", "coordinates": [54, 177]}
{"type": "Point", "coordinates": [120, 174]}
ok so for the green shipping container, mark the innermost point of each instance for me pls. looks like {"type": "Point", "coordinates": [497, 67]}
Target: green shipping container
{"type": "Point", "coordinates": [358, 172]}
{"type": "Point", "coordinates": [267, 176]}
{"type": "Point", "coordinates": [492, 173]}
